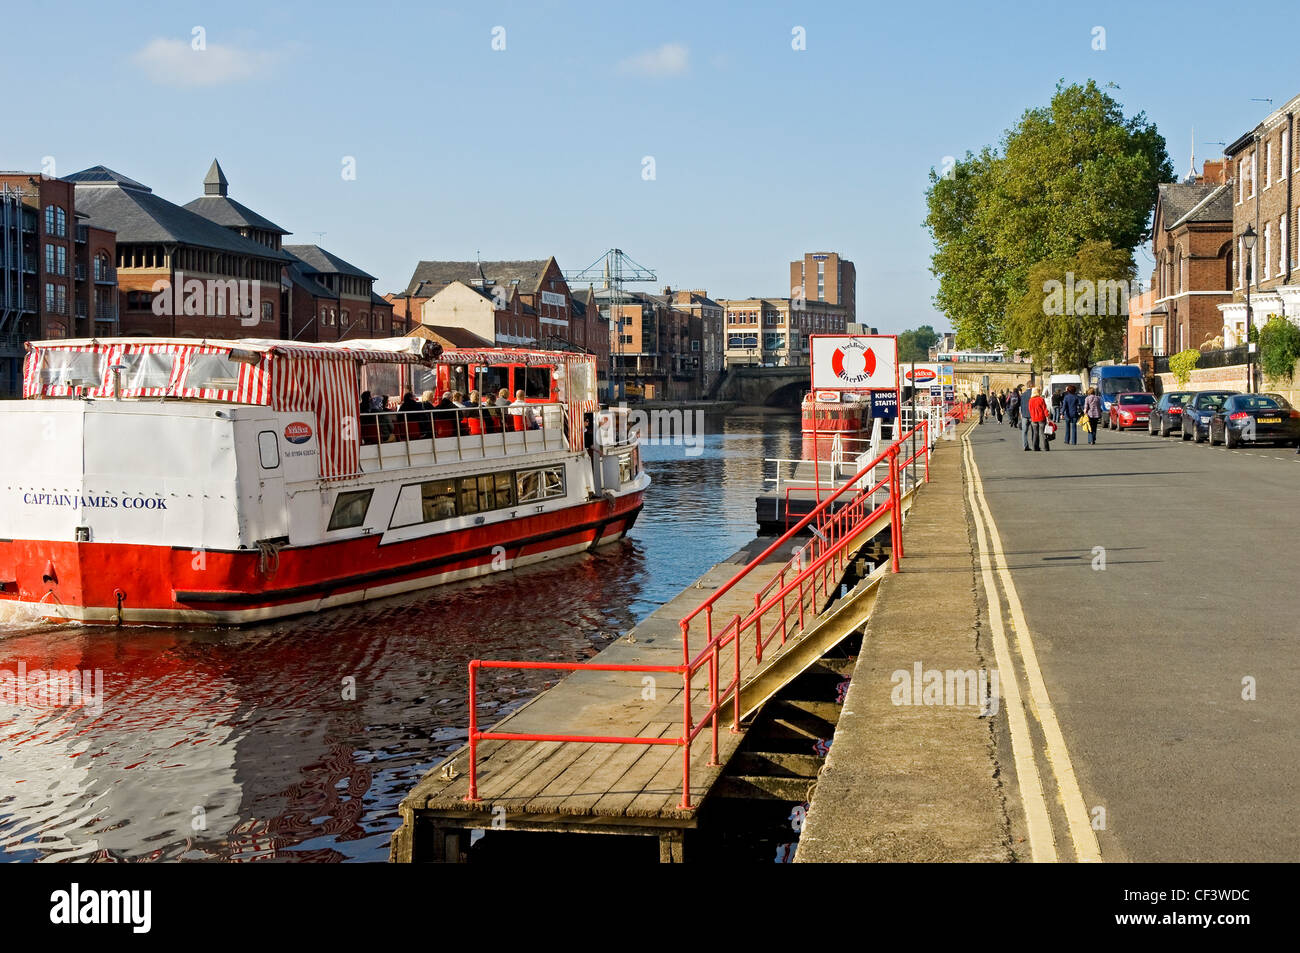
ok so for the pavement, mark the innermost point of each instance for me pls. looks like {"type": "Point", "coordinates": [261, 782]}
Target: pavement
{"type": "Point", "coordinates": [1138, 600]}
{"type": "Point", "coordinates": [915, 780]}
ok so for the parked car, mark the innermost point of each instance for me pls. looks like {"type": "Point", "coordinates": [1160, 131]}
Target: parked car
{"type": "Point", "coordinates": [1197, 411]}
{"type": "Point", "coordinates": [1167, 414]}
{"type": "Point", "coordinates": [1255, 418]}
{"type": "Point", "coordinates": [1130, 410]}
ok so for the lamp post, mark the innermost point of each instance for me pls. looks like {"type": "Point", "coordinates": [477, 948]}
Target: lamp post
{"type": "Point", "coordinates": [1248, 243]}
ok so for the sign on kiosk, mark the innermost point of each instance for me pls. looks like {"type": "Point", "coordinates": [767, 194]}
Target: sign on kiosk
{"type": "Point", "coordinates": [854, 362]}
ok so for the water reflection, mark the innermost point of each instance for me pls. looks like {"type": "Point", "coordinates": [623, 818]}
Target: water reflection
{"type": "Point", "coordinates": [296, 740]}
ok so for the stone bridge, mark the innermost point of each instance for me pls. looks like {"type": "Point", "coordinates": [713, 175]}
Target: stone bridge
{"type": "Point", "coordinates": [785, 386]}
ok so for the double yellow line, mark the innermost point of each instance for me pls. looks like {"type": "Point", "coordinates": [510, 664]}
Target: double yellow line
{"type": "Point", "coordinates": [1038, 819]}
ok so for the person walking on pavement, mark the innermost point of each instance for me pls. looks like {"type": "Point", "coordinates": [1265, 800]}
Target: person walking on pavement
{"type": "Point", "coordinates": [1092, 410]}
{"type": "Point", "coordinates": [997, 405]}
{"type": "Point", "coordinates": [1037, 417]}
{"type": "Point", "coordinates": [1071, 408]}
{"type": "Point", "coordinates": [1013, 407]}
{"type": "Point", "coordinates": [982, 405]}
{"type": "Point", "coordinates": [1025, 398]}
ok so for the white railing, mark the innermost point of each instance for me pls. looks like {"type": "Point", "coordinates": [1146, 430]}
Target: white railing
{"type": "Point", "coordinates": [420, 438]}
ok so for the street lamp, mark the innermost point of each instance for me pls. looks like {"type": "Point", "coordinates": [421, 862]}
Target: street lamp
{"type": "Point", "coordinates": [1248, 243]}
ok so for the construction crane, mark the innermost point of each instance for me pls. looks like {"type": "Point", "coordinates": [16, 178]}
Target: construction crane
{"type": "Point", "coordinates": [613, 269]}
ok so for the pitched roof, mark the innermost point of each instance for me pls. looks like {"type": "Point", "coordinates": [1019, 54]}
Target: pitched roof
{"type": "Point", "coordinates": [452, 336]}
{"type": "Point", "coordinates": [1215, 207]}
{"type": "Point", "coordinates": [115, 202]}
{"type": "Point", "coordinates": [319, 260]}
{"type": "Point", "coordinates": [231, 214]}
{"type": "Point", "coordinates": [1177, 199]}
{"type": "Point", "coordinates": [527, 274]}
{"type": "Point", "coordinates": [300, 275]}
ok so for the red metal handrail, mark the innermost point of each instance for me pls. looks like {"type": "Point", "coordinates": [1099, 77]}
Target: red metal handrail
{"type": "Point", "coordinates": [827, 553]}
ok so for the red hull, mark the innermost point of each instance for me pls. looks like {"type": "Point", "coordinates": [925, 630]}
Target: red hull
{"type": "Point", "coordinates": [143, 584]}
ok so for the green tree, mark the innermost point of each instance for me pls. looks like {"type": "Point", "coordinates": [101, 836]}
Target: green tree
{"type": "Point", "coordinates": [1075, 306]}
{"type": "Point", "coordinates": [1279, 348]}
{"type": "Point", "coordinates": [1073, 172]}
{"type": "Point", "coordinates": [915, 345]}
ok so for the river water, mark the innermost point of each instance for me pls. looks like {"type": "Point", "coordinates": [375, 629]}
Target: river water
{"type": "Point", "coordinates": [296, 740]}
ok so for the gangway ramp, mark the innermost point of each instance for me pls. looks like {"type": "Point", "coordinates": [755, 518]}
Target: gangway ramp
{"type": "Point", "coordinates": [633, 741]}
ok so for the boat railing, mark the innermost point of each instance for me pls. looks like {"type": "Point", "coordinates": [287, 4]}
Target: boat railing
{"type": "Point", "coordinates": [400, 439]}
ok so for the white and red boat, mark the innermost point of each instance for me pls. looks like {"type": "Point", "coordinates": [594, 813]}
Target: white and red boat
{"type": "Point", "coordinates": [179, 481]}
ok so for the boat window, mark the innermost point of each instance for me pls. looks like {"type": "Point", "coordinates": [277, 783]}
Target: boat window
{"type": "Point", "coordinates": [211, 372]}
{"type": "Point", "coordinates": [625, 471]}
{"type": "Point", "coordinates": [505, 486]}
{"type": "Point", "coordinates": [541, 484]}
{"type": "Point", "coordinates": [438, 500]}
{"type": "Point", "coordinates": [492, 379]}
{"type": "Point", "coordinates": [537, 383]}
{"type": "Point", "coordinates": [148, 369]}
{"type": "Point", "coordinates": [468, 496]}
{"type": "Point", "coordinates": [72, 368]}
{"type": "Point", "coordinates": [350, 509]}
{"type": "Point", "coordinates": [268, 449]}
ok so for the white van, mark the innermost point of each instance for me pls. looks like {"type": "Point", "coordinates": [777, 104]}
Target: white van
{"type": "Point", "coordinates": [1055, 389]}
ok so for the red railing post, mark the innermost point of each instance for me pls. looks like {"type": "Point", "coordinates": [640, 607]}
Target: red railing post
{"type": "Point", "coordinates": [473, 732]}
{"type": "Point", "coordinates": [735, 720]}
{"type": "Point", "coordinates": [895, 512]}
{"type": "Point", "coordinates": [781, 583]}
{"type": "Point", "coordinates": [713, 701]}
{"type": "Point", "coordinates": [686, 738]}
{"type": "Point", "coordinates": [927, 449]}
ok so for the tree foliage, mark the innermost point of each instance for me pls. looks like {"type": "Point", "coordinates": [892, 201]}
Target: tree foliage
{"type": "Point", "coordinates": [1279, 348]}
{"type": "Point", "coordinates": [915, 345]}
{"type": "Point", "coordinates": [1182, 364]}
{"type": "Point", "coordinates": [1074, 172]}
{"type": "Point", "coordinates": [1074, 307]}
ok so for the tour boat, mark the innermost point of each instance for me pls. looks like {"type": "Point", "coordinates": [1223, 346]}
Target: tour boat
{"type": "Point", "coordinates": [828, 415]}
{"type": "Point", "coordinates": [181, 481]}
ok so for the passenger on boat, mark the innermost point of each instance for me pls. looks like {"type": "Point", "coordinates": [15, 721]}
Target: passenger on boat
{"type": "Point", "coordinates": [410, 426]}
{"type": "Point", "coordinates": [521, 416]}
{"type": "Point", "coordinates": [444, 417]}
{"type": "Point", "coordinates": [369, 427]}
{"type": "Point", "coordinates": [474, 419]}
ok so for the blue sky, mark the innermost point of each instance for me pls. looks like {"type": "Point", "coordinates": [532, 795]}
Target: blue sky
{"type": "Point", "coordinates": [761, 152]}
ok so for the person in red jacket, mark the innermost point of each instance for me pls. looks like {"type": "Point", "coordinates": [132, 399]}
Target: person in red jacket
{"type": "Point", "coordinates": [1038, 415]}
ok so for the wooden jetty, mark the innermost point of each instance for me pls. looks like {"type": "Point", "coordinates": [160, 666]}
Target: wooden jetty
{"type": "Point", "coordinates": [637, 789]}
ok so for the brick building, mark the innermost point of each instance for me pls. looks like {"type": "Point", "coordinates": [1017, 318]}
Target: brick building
{"type": "Point", "coordinates": [654, 343]}
{"type": "Point", "coordinates": [776, 331]}
{"type": "Point", "coordinates": [329, 299]}
{"type": "Point", "coordinates": [1263, 164]}
{"type": "Point", "coordinates": [529, 304]}
{"type": "Point", "coordinates": [1192, 246]}
{"type": "Point", "coordinates": [825, 276]}
{"type": "Point", "coordinates": [709, 314]}
{"type": "Point", "coordinates": [57, 274]}
{"type": "Point", "coordinates": [180, 274]}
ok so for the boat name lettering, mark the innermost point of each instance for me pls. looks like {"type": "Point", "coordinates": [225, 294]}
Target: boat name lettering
{"type": "Point", "coordinates": [95, 502]}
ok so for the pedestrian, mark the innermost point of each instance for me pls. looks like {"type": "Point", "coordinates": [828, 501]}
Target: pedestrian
{"type": "Point", "coordinates": [1024, 418]}
{"type": "Point", "coordinates": [999, 400]}
{"type": "Point", "coordinates": [1092, 411]}
{"type": "Point", "coordinates": [1071, 409]}
{"type": "Point", "coordinates": [1036, 418]}
{"type": "Point", "coordinates": [982, 405]}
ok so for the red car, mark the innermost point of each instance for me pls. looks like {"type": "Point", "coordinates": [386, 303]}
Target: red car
{"type": "Point", "coordinates": [1131, 410]}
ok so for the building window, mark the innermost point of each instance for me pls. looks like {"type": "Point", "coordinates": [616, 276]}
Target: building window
{"type": "Point", "coordinates": [1254, 171]}
{"type": "Point", "coordinates": [267, 315]}
{"type": "Point", "coordinates": [103, 270]}
{"type": "Point", "coordinates": [1241, 184]}
{"type": "Point", "coordinates": [56, 221]}
{"type": "Point", "coordinates": [1284, 155]}
{"type": "Point", "coordinates": [1268, 164]}
{"type": "Point", "coordinates": [1268, 249]}
{"type": "Point", "coordinates": [346, 317]}
{"type": "Point", "coordinates": [1240, 262]}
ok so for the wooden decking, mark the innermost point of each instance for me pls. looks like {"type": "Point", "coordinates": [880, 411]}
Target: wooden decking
{"type": "Point", "coordinates": [610, 788]}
